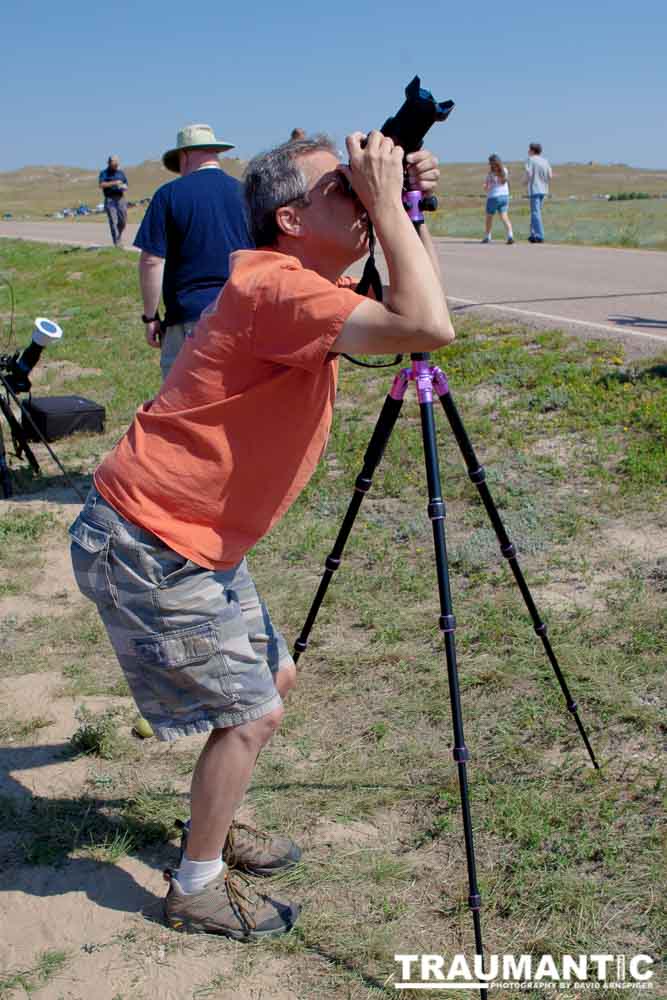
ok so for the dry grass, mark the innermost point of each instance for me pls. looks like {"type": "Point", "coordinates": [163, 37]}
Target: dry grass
{"type": "Point", "coordinates": [38, 190]}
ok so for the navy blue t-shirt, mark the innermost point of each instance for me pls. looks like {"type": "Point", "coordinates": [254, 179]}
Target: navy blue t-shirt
{"type": "Point", "coordinates": [112, 175]}
{"type": "Point", "coordinates": [194, 223]}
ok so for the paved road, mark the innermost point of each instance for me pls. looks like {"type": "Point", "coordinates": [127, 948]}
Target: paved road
{"type": "Point", "coordinates": [70, 231]}
{"type": "Point", "coordinates": [596, 291]}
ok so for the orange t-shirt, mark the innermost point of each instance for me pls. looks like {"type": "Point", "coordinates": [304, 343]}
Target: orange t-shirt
{"type": "Point", "coordinates": [241, 421]}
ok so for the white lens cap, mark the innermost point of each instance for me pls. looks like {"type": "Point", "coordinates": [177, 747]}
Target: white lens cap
{"type": "Point", "coordinates": [46, 332]}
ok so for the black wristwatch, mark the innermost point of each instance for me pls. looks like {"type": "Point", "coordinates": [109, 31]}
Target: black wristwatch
{"type": "Point", "coordinates": [149, 319]}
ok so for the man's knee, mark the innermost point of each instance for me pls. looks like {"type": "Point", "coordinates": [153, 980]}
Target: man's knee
{"type": "Point", "coordinates": [257, 733]}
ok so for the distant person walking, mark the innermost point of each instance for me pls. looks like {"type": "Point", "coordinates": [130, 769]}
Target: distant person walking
{"type": "Point", "coordinates": [189, 230]}
{"type": "Point", "coordinates": [538, 174]}
{"type": "Point", "coordinates": [113, 183]}
{"type": "Point", "coordinates": [497, 190]}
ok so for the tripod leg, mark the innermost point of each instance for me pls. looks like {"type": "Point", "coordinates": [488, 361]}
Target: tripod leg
{"type": "Point", "coordinates": [21, 445]}
{"type": "Point", "coordinates": [376, 446]}
{"type": "Point", "coordinates": [436, 513]}
{"type": "Point", "coordinates": [478, 477]}
{"type": "Point", "coordinates": [20, 440]}
{"type": "Point", "coordinates": [5, 478]}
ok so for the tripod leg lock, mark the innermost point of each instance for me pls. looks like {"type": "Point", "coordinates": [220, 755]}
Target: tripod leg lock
{"type": "Point", "coordinates": [363, 484]}
{"type": "Point", "coordinates": [509, 551]}
{"type": "Point", "coordinates": [572, 707]}
{"type": "Point", "coordinates": [461, 755]}
{"type": "Point", "coordinates": [541, 629]}
{"type": "Point", "coordinates": [300, 645]}
{"type": "Point", "coordinates": [447, 623]}
{"type": "Point", "coordinates": [477, 476]}
{"type": "Point", "coordinates": [475, 901]}
{"type": "Point", "coordinates": [436, 510]}
{"type": "Point", "coordinates": [332, 563]}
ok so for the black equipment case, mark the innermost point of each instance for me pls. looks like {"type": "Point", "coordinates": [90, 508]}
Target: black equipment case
{"type": "Point", "coordinates": [58, 416]}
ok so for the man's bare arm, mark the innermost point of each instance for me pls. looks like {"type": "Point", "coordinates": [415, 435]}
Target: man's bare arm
{"type": "Point", "coordinates": [429, 246]}
{"type": "Point", "coordinates": [151, 271]}
{"type": "Point", "coordinates": [418, 318]}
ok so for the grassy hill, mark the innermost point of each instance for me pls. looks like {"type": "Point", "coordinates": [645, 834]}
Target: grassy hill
{"type": "Point", "coordinates": [581, 180]}
{"type": "Point", "coordinates": [41, 190]}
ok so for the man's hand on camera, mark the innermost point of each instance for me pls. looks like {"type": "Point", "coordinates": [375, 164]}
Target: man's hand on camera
{"type": "Point", "coordinates": [153, 333]}
{"type": "Point", "coordinates": [423, 172]}
{"type": "Point", "coordinates": [375, 171]}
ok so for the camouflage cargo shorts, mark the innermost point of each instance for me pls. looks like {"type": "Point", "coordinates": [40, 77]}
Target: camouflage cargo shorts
{"type": "Point", "coordinates": [197, 646]}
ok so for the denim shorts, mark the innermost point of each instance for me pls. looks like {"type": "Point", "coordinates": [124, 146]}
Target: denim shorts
{"type": "Point", "coordinates": [197, 646]}
{"type": "Point", "coordinates": [494, 205]}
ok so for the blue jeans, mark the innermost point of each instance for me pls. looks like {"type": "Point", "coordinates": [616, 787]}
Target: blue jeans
{"type": "Point", "coordinates": [536, 227]}
{"type": "Point", "coordinates": [116, 209]}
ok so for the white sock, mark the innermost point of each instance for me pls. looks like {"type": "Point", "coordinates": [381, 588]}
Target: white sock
{"type": "Point", "coordinates": [510, 235]}
{"type": "Point", "coordinates": [192, 876]}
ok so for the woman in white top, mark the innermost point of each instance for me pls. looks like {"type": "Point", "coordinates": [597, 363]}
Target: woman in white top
{"type": "Point", "coordinates": [497, 190]}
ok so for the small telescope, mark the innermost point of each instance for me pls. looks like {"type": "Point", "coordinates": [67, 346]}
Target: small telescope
{"type": "Point", "coordinates": [16, 368]}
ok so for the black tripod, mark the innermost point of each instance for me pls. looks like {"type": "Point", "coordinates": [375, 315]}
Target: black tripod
{"type": "Point", "coordinates": [19, 437]}
{"type": "Point", "coordinates": [19, 440]}
{"type": "Point", "coordinates": [428, 378]}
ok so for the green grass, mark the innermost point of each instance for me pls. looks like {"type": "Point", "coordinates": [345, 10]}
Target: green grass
{"type": "Point", "coordinates": [85, 679]}
{"type": "Point", "coordinates": [98, 734]}
{"type": "Point", "coordinates": [48, 965]}
{"type": "Point", "coordinates": [15, 729]}
{"type": "Point", "coordinates": [20, 534]}
{"type": "Point", "coordinates": [633, 224]}
{"type": "Point", "coordinates": [572, 438]}
{"type": "Point", "coordinates": [92, 825]}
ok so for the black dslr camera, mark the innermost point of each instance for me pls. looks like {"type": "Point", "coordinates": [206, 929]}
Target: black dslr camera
{"type": "Point", "coordinates": [410, 124]}
{"type": "Point", "coordinates": [414, 118]}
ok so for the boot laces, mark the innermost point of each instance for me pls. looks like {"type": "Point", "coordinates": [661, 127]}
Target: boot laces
{"type": "Point", "coordinates": [241, 903]}
{"type": "Point", "coordinates": [258, 835]}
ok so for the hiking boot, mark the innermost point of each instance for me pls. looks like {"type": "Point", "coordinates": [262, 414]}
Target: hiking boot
{"type": "Point", "coordinates": [486, 239]}
{"type": "Point", "coordinates": [510, 239]}
{"type": "Point", "coordinates": [227, 906]}
{"type": "Point", "coordinates": [251, 851]}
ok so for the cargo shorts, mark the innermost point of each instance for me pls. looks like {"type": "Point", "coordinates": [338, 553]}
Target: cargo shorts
{"type": "Point", "coordinates": [171, 342]}
{"type": "Point", "coordinates": [197, 646]}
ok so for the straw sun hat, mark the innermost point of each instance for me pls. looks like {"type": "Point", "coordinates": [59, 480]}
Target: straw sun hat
{"type": "Point", "coordinates": [193, 137]}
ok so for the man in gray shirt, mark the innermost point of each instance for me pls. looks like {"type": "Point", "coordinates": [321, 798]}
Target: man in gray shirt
{"type": "Point", "coordinates": [537, 175]}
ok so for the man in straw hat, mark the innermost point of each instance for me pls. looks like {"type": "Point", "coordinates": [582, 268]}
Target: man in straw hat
{"type": "Point", "coordinates": [210, 465]}
{"type": "Point", "coordinates": [186, 236]}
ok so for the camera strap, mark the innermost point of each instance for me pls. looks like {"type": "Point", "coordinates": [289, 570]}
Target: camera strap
{"type": "Point", "coordinates": [370, 279]}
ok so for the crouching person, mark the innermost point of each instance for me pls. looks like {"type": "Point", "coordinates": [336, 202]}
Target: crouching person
{"type": "Point", "coordinates": [215, 460]}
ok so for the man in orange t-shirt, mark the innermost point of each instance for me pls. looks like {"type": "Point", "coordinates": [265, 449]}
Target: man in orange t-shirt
{"type": "Point", "coordinates": [209, 466]}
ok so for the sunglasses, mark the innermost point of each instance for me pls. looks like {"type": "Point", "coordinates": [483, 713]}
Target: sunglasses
{"type": "Point", "coordinates": [332, 184]}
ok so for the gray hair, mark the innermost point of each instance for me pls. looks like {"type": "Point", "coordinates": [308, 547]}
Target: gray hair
{"type": "Point", "coordinates": [274, 179]}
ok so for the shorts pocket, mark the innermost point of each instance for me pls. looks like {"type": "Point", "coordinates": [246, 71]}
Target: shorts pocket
{"type": "Point", "coordinates": [187, 660]}
{"type": "Point", "coordinates": [90, 561]}
{"type": "Point", "coordinates": [171, 650]}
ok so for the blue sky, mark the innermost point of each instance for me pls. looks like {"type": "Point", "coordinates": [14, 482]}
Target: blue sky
{"type": "Point", "coordinates": [79, 80]}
